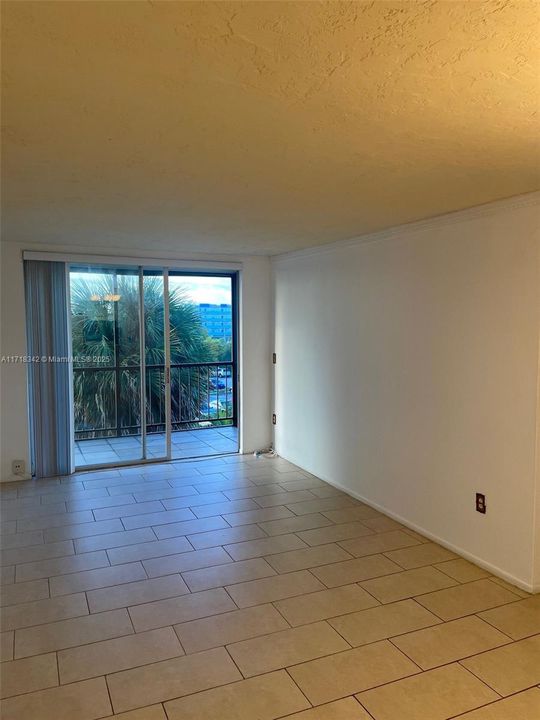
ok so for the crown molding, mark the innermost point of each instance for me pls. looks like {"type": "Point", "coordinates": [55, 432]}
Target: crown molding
{"type": "Point", "coordinates": [451, 218]}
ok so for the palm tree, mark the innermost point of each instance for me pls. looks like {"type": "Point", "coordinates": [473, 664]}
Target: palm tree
{"type": "Point", "coordinates": [106, 343]}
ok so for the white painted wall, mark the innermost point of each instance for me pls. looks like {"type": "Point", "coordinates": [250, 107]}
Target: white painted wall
{"type": "Point", "coordinates": [255, 332]}
{"type": "Point", "coordinates": [407, 374]}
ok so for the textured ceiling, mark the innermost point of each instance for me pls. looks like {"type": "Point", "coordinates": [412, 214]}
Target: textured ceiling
{"type": "Point", "coordinates": [261, 126]}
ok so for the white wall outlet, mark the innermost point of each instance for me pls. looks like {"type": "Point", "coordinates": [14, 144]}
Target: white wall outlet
{"type": "Point", "coordinates": [18, 467]}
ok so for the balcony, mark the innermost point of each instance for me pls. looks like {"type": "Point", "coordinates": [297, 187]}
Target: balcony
{"type": "Point", "coordinates": [108, 411]}
{"type": "Point", "coordinates": [185, 444]}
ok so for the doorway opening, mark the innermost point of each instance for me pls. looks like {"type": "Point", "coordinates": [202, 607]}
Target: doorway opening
{"type": "Point", "coordinates": [175, 330]}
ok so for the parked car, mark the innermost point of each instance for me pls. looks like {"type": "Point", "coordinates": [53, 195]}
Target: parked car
{"type": "Point", "coordinates": [219, 384]}
{"type": "Point", "coordinates": [211, 408]}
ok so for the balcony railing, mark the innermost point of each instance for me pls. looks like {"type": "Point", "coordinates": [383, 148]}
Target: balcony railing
{"type": "Point", "coordinates": [107, 399]}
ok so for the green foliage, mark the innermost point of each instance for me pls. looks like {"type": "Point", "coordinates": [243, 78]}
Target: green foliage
{"type": "Point", "coordinates": [219, 349]}
{"type": "Point", "coordinates": [105, 333]}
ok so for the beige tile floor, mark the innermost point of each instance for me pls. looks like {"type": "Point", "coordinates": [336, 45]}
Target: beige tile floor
{"type": "Point", "coordinates": [246, 589]}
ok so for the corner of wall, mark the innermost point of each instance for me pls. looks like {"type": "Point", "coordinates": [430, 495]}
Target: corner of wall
{"type": "Point", "coordinates": [13, 387]}
{"type": "Point", "coordinates": [536, 525]}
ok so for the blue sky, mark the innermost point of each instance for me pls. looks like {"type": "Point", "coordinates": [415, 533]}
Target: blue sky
{"type": "Point", "coordinates": [200, 289]}
{"type": "Point", "coordinates": [213, 290]}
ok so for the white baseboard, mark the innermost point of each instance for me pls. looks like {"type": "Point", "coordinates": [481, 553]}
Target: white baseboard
{"type": "Point", "coordinates": [493, 569]}
{"type": "Point", "coordinates": [15, 478]}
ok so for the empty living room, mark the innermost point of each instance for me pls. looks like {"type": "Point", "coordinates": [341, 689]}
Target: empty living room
{"type": "Point", "coordinates": [270, 360]}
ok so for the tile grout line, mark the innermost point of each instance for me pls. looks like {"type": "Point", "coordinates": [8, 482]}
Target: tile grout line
{"type": "Point", "coordinates": [299, 688]}
{"type": "Point", "coordinates": [108, 693]}
{"type": "Point", "coordinates": [421, 669]}
{"type": "Point", "coordinates": [273, 604]}
{"type": "Point", "coordinates": [231, 597]}
{"type": "Point", "coordinates": [477, 677]}
{"type": "Point", "coordinates": [477, 614]}
{"type": "Point", "coordinates": [497, 700]}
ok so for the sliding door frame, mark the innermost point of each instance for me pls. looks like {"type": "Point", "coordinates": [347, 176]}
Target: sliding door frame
{"type": "Point", "coordinates": [163, 271]}
{"type": "Point", "coordinates": [167, 369]}
{"type": "Point", "coordinates": [233, 274]}
{"type": "Point", "coordinates": [142, 363]}
{"type": "Point", "coordinates": [143, 459]}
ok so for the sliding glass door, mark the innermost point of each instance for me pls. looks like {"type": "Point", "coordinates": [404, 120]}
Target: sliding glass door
{"type": "Point", "coordinates": [106, 350]}
{"type": "Point", "coordinates": [203, 350]}
{"type": "Point", "coordinates": [154, 365]}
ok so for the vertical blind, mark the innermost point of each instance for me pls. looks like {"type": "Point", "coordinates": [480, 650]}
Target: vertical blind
{"type": "Point", "coordinates": [49, 367]}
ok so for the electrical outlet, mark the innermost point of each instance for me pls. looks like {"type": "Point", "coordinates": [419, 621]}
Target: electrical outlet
{"type": "Point", "coordinates": [18, 467]}
{"type": "Point", "coordinates": [481, 503]}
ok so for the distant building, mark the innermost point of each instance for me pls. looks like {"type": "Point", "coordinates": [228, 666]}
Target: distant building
{"type": "Point", "coordinates": [217, 319]}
